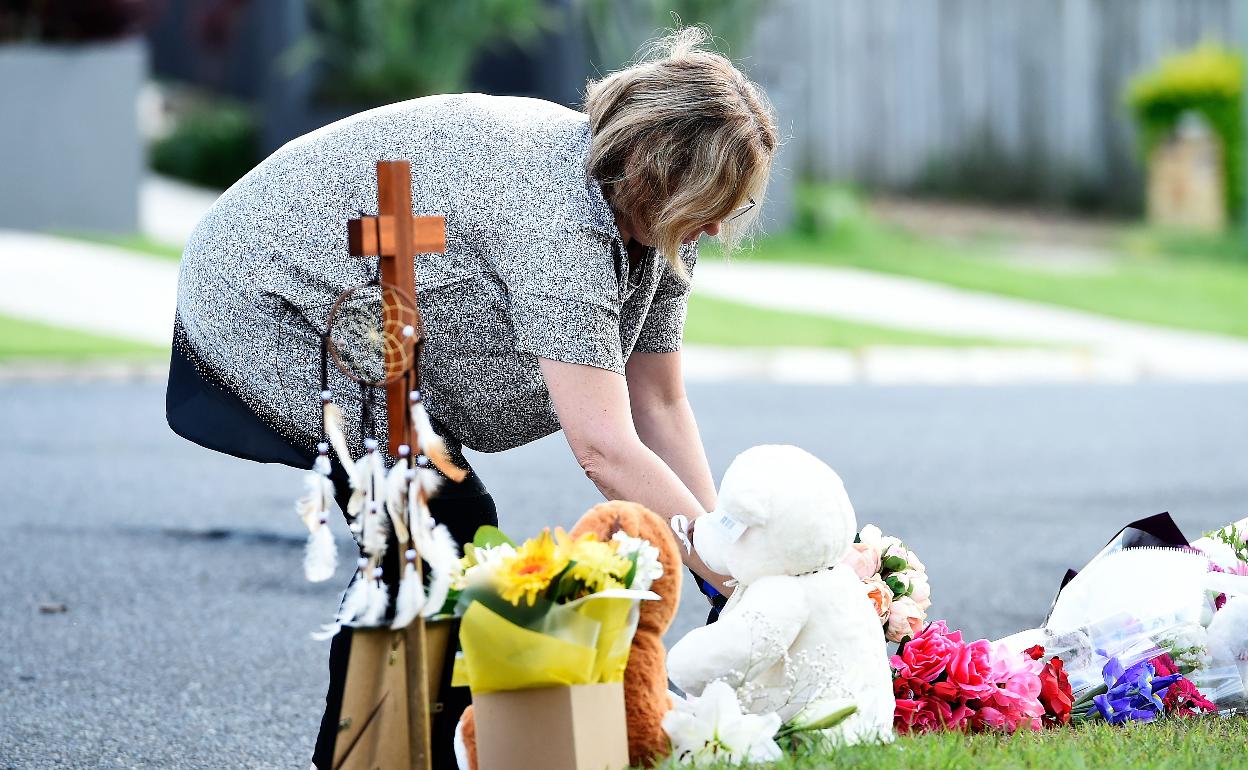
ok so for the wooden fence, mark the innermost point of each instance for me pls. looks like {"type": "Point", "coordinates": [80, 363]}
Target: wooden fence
{"type": "Point", "coordinates": [1006, 99]}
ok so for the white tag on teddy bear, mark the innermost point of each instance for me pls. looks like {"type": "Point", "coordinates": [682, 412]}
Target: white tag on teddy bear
{"type": "Point", "coordinates": [733, 528]}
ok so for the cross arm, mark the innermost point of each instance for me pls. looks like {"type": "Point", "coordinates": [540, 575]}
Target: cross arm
{"type": "Point", "coordinates": [373, 236]}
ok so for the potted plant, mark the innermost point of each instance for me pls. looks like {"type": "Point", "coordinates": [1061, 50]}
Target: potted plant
{"type": "Point", "coordinates": [1194, 97]}
{"type": "Point", "coordinates": [70, 148]}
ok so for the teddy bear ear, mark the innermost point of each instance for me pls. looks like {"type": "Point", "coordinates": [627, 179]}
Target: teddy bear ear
{"type": "Point", "coordinates": [747, 506]}
{"type": "Point", "coordinates": [746, 490]}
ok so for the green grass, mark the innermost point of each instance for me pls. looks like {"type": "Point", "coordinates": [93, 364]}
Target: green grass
{"type": "Point", "coordinates": [1149, 242]}
{"type": "Point", "coordinates": [30, 340]}
{"type": "Point", "coordinates": [713, 321]}
{"type": "Point", "coordinates": [131, 242]}
{"type": "Point", "coordinates": [1192, 744]}
{"type": "Point", "coordinates": [1185, 282]}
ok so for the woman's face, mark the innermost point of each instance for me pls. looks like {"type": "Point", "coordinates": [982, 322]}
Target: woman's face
{"type": "Point", "coordinates": [646, 239]}
{"type": "Point", "coordinates": [711, 230]}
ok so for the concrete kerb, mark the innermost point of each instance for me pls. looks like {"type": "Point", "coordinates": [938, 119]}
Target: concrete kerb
{"type": "Point", "coordinates": [84, 371]}
{"type": "Point", "coordinates": [873, 365]}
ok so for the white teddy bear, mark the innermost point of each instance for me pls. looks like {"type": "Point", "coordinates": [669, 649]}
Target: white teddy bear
{"type": "Point", "coordinates": [799, 635]}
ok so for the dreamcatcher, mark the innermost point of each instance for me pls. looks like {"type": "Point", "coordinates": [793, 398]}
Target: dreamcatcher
{"type": "Point", "coordinates": [374, 337]}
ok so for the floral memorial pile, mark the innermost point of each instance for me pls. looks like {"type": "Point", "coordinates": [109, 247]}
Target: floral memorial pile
{"type": "Point", "coordinates": [1153, 627]}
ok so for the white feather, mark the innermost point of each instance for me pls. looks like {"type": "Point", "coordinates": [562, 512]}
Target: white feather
{"type": "Point", "coordinates": [328, 631]}
{"type": "Point", "coordinates": [322, 465]}
{"type": "Point", "coordinates": [413, 508]}
{"type": "Point", "coordinates": [362, 604]}
{"type": "Point", "coordinates": [376, 530]}
{"type": "Point", "coordinates": [411, 598]}
{"type": "Point", "coordinates": [415, 511]}
{"type": "Point", "coordinates": [355, 602]}
{"type": "Point", "coordinates": [429, 480]}
{"type": "Point", "coordinates": [320, 555]}
{"type": "Point", "coordinates": [317, 492]}
{"type": "Point", "coordinates": [368, 482]}
{"type": "Point", "coordinates": [396, 485]}
{"type": "Point", "coordinates": [378, 602]}
{"type": "Point", "coordinates": [335, 430]}
{"type": "Point", "coordinates": [439, 587]}
{"type": "Point", "coordinates": [373, 526]}
{"type": "Point", "coordinates": [378, 468]}
{"type": "Point", "coordinates": [432, 444]}
{"type": "Point", "coordinates": [439, 551]}
{"type": "Point", "coordinates": [355, 506]}
{"type": "Point", "coordinates": [442, 551]}
{"type": "Point", "coordinates": [426, 436]}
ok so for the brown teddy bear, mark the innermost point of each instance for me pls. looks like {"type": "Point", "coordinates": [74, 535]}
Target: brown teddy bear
{"type": "Point", "coordinates": [646, 699]}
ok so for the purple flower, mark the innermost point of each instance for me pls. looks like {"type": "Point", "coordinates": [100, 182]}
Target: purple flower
{"type": "Point", "coordinates": [1132, 695]}
{"type": "Point", "coordinates": [1118, 711]}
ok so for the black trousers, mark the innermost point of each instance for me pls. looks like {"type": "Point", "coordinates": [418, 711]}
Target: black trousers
{"type": "Point", "coordinates": [462, 507]}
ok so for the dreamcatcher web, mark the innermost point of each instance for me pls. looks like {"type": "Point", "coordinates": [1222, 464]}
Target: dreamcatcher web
{"type": "Point", "coordinates": [370, 340]}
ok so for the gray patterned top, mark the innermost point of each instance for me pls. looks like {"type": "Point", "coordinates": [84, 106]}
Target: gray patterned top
{"type": "Point", "coordinates": [534, 266]}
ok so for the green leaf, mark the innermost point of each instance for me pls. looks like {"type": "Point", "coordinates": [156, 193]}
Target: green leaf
{"type": "Point", "coordinates": [897, 585]}
{"type": "Point", "coordinates": [522, 614]}
{"type": "Point", "coordinates": [490, 536]}
{"type": "Point", "coordinates": [894, 563]}
{"type": "Point", "coordinates": [831, 720]}
{"type": "Point", "coordinates": [632, 570]}
{"type": "Point", "coordinates": [563, 584]}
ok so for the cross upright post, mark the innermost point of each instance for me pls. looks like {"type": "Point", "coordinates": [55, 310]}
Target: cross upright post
{"type": "Point", "coordinates": [395, 236]}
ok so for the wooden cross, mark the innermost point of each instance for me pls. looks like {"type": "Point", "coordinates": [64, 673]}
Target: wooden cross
{"type": "Point", "coordinates": [397, 237]}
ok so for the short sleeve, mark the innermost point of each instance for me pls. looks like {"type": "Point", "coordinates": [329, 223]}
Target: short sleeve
{"type": "Point", "coordinates": [562, 292]}
{"type": "Point", "coordinates": [568, 330]}
{"type": "Point", "coordinates": [664, 325]}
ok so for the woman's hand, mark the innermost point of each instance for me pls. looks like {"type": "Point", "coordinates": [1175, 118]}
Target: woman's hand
{"type": "Point", "coordinates": [595, 414]}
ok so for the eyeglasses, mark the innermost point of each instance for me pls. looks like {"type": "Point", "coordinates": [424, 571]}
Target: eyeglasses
{"type": "Point", "coordinates": [739, 211]}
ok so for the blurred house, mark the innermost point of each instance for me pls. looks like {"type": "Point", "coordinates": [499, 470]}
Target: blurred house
{"type": "Point", "coordinates": [1005, 101]}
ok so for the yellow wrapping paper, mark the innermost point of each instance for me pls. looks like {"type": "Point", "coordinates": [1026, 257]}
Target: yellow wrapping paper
{"type": "Point", "coordinates": [617, 620]}
{"type": "Point", "coordinates": [582, 642]}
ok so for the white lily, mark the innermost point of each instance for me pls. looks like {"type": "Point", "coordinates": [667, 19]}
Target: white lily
{"type": "Point", "coordinates": [711, 728]}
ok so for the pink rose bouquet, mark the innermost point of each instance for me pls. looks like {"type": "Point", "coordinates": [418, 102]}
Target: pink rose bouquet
{"type": "Point", "coordinates": [943, 683]}
{"type": "Point", "coordinates": [895, 580]}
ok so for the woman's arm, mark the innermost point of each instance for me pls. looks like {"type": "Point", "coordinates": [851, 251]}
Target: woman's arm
{"type": "Point", "coordinates": [593, 409]}
{"type": "Point", "coordinates": [665, 422]}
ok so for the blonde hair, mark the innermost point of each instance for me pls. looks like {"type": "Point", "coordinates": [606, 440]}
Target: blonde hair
{"type": "Point", "coordinates": [681, 139]}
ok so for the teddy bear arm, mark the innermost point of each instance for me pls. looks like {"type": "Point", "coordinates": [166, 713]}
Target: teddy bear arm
{"type": "Point", "coordinates": [708, 653]}
{"type": "Point", "coordinates": [754, 636]}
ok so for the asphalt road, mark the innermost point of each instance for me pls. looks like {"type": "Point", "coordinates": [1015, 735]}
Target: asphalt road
{"type": "Point", "coordinates": [184, 639]}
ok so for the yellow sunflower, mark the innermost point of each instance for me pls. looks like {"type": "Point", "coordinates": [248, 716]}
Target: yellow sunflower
{"type": "Point", "coordinates": [530, 571]}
